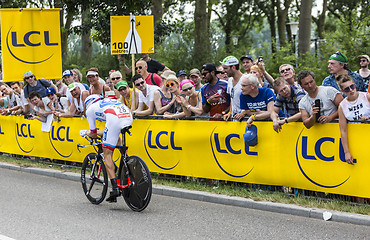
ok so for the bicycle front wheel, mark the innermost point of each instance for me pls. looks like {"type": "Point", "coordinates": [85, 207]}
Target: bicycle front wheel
{"type": "Point", "coordinates": [94, 178]}
{"type": "Point", "coordinates": [137, 196]}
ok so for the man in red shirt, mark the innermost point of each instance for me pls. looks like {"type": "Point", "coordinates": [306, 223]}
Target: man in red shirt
{"type": "Point", "coordinates": [150, 78]}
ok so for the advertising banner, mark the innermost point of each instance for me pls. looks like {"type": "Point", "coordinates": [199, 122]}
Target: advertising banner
{"type": "Point", "coordinates": [311, 159]}
{"type": "Point", "coordinates": [30, 41]}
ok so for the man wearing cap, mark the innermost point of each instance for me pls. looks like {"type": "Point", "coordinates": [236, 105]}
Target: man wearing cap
{"type": "Point", "coordinates": [247, 62]}
{"type": "Point", "coordinates": [231, 66]}
{"type": "Point", "coordinates": [146, 96]}
{"type": "Point", "coordinates": [364, 70]}
{"type": "Point", "coordinates": [338, 64]}
{"type": "Point", "coordinates": [214, 96]}
{"type": "Point", "coordinates": [76, 106]}
{"type": "Point", "coordinates": [57, 102]}
{"type": "Point", "coordinates": [194, 75]}
{"type": "Point", "coordinates": [150, 78]}
{"type": "Point", "coordinates": [181, 75]}
{"type": "Point", "coordinates": [126, 95]}
{"type": "Point", "coordinates": [96, 86]}
{"type": "Point", "coordinates": [68, 77]}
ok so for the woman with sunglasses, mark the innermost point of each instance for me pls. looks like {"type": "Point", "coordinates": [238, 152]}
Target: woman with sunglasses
{"type": "Point", "coordinates": [193, 100]}
{"type": "Point", "coordinates": [356, 106]}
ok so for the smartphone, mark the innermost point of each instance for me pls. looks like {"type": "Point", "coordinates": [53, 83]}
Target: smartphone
{"type": "Point", "coordinates": [317, 104]}
{"type": "Point", "coordinates": [260, 59]}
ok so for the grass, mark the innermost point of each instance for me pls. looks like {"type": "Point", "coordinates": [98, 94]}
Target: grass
{"type": "Point", "coordinates": [231, 189]}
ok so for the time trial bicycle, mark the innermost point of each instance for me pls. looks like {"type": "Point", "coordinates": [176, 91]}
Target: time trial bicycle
{"type": "Point", "coordinates": [133, 176]}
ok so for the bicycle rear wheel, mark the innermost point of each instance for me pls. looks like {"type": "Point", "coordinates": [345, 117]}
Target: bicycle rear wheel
{"type": "Point", "coordinates": [94, 178]}
{"type": "Point", "coordinates": [137, 196]}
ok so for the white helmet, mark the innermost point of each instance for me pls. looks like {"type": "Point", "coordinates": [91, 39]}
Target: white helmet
{"type": "Point", "coordinates": [91, 99]}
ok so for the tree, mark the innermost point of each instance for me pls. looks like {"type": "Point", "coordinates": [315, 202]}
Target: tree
{"type": "Point", "coordinates": [202, 44]}
{"type": "Point", "coordinates": [304, 32]}
{"type": "Point", "coordinates": [282, 15]}
{"type": "Point", "coordinates": [86, 43]}
{"type": "Point", "coordinates": [268, 9]}
{"type": "Point", "coordinates": [320, 20]}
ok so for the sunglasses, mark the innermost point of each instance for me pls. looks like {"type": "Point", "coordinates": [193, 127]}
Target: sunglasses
{"type": "Point", "coordinates": [363, 60]}
{"type": "Point", "coordinates": [223, 72]}
{"type": "Point", "coordinates": [338, 53]}
{"type": "Point", "coordinates": [139, 67]}
{"type": "Point", "coordinates": [187, 89]}
{"type": "Point", "coordinates": [115, 78]}
{"type": "Point", "coordinates": [170, 84]}
{"type": "Point", "coordinates": [204, 73]}
{"type": "Point", "coordinates": [285, 70]}
{"type": "Point", "coordinates": [138, 84]}
{"type": "Point", "coordinates": [352, 87]}
{"type": "Point", "coordinates": [28, 77]}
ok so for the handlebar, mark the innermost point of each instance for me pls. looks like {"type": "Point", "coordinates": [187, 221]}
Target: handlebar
{"type": "Point", "coordinates": [93, 142]}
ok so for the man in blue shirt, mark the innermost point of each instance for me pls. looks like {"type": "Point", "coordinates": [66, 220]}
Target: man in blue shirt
{"type": "Point", "coordinates": [338, 64]}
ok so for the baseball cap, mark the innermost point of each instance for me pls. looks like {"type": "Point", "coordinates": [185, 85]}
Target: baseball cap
{"type": "Point", "coordinates": [67, 73]}
{"type": "Point", "coordinates": [72, 86]}
{"type": "Point", "coordinates": [246, 56]}
{"type": "Point", "coordinates": [364, 56]}
{"type": "Point", "coordinates": [250, 136]}
{"type": "Point", "coordinates": [166, 73]}
{"type": "Point", "coordinates": [181, 72]}
{"type": "Point", "coordinates": [230, 61]}
{"type": "Point", "coordinates": [50, 91]}
{"type": "Point", "coordinates": [194, 71]}
{"type": "Point", "coordinates": [121, 84]}
{"type": "Point", "coordinates": [210, 67]}
{"type": "Point", "coordinates": [28, 74]}
{"type": "Point", "coordinates": [340, 57]}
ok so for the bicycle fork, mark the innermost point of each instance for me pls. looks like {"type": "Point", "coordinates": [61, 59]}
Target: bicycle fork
{"type": "Point", "coordinates": [127, 173]}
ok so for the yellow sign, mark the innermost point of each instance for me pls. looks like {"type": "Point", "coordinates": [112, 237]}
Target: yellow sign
{"type": "Point", "coordinates": [311, 159]}
{"type": "Point", "coordinates": [30, 41]}
{"type": "Point", "coordinates": [132, 34]}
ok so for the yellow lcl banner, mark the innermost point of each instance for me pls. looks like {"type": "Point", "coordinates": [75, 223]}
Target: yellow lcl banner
{"type": "Point", "coordinates": [30, 41]}
{"type": "Point", "coordinates": [132, 34]}
{"type": "Point", "coordinates": [311, 159]}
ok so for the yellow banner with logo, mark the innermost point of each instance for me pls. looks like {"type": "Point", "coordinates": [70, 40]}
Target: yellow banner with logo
{"type": "Point", "coordinates": [311, 159]}
{"type": "Point", "coordinates": [131, 34]}
{"type": "Point", "coordinates": [30, 41]}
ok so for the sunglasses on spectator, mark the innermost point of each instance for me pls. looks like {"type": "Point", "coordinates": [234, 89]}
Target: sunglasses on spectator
{"type": "Point", "coordinates": [170, 84]}
{"type": "Point", "coordinates": [363, 60]}
{"type": "Point", "coordinates": [138, 84]}
{"type": "Point", "coordinates": [28, 77]}
{"type": "Point", "coordinates": [351, 87]}
{"type": "Point", "coordinates": [139, 67]}
{"type": "Point", "coordinates": [115, 78]}
{"type": "Point", "coordinates": [187, 89]}
{"type": "Point", "coordinates": [204, 73]}
{"type": "Point", "coordinates": [285, 70]}
{"type": "Point", "coordinates": [223, 72]}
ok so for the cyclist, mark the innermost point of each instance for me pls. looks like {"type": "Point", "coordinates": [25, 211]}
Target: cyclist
{"type": "Point", "coordinates": [117, 116]}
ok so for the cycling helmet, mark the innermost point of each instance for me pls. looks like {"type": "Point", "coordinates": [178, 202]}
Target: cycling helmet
{"type": "Point", "coordinates": [250, 136]}
{"type": "Point", "coordinates": [91, 99]}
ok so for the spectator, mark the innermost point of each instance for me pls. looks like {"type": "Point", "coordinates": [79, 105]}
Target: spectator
{"type": "Point", "coordinates": [96, 86]}
{"type": "Point", "coordinates": [329, 100]}
{"type": "Point", "coordinates": [23, 101]}
{"type": "Point", "coordinates": [214, 96]}
{"type": "Point", "coordinates": [68, 77]}
{"type": "Point", "coordinates": [356, 106]}
{"type": "Point", "coordinates": [110, 84]}
{"type": "Point", "coordinates": [3, 103]}
{"type": "Point", "coordinates": [254, 101]}
{"type": "Point", "coordinates": [181, 75]}
{"type": "Point", "coordinates": [150, 78]}
{"type": "Point", "coordinates": [153, 65]}
{"type": "Point", "coordinates": [221, 73]}
{"type": "Point", "coordinates": [194, 75]}
{"type": "Point", "coordinates": [287, 72]}
{"type": "Point", "coordinates": [254, 69]}
{"type": "Point", "coordinates": [247, 62]}
{"type": "Point", "coordinates": [126, 95]}
{"type": "Point", "coordinates": [167, 73]}
{"type": "Point", "coordinates": [40, 106]}
{"type": "Point", "coordinates": [76, 106]}
{"type": "Point", "coordinates": [57, 102]}
{"type": "Point", "coordinates": [13, 100]}
{"type": "Point", "coordinates": [287, 100]}
{"type": "Point", "coordinates": [61, 86]}
{"type": "Point", "coordinates": [77, 77]}
{"type": "Point", "coordinates": [146, 96]}
{"type": "Point", "coordinates": [364, 70]}
{"type": "Point", "coordinates": [32, 85]}
{"type": "Point", "coordinates": [115, 77]}
{"type": "Point", "coordinates": [338, 64]}
{"type": "Point", "coordinates": [193, 100]}
{"type": "Point", "coordinates": [231, 67]}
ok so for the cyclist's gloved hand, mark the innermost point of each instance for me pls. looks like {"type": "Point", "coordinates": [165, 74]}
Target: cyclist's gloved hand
{"type": "Point", "coordinates": [83, 133]}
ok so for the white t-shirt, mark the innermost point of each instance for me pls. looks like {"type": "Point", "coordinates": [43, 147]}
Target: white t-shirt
{"type": "Point", "coordinates": [234, 92]}
{"type": "Point", "coordinates": [326, 95]}
{"type": "Point", "coordinates": [150, 89]}
{"type": "Point", "coordinates": [356, 109]}
{"type": "Point", "coordinates": [13, 100]}
{"type": "Point", "coordinates": [68, 93]}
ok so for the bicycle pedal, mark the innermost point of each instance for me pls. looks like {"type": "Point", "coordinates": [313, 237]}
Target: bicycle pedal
{"type": "Point", "coordinates": [112, 199]}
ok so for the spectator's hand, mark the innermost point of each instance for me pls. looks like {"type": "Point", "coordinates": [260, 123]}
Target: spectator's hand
{"type": "Point", "coordinates": [239, 116]}
{"type": "Point", "coordinates": [167, 115]}
{"type": "Point", "coordinates": [276, 125]}
{"type": "Point", "coordinates": [249, 122]}
{"type": "Point", "coordinates": [323, 119]}
{"type": "Point", "coordinates": [217, 115]}
{"type": "Point", "coordinates": [214, 98]}
{"type": "Point", "coordinates": [181, 100]}
{"type": "Point", "coordinates": [226, 116]}
{"type": "Point", "coordinates": [363, 118]}
{"type": "Point", "coordinates": [349, 158]}
{"type": "Point", "coordinates": [261, 66]}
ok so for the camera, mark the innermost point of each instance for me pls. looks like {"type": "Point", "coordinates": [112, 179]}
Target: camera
{"type": "Point", "coordinates": [260, 59]}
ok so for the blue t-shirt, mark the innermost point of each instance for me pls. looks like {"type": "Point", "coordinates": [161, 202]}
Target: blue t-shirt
{"type": "Point", "coordinates": [265, 95]}
{"type": "Point", "coordinates": [40, 87]}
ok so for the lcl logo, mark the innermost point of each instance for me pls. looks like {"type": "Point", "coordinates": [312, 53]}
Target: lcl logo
{"type": "Point", "coordinates": [23, 131]}
{"type": "Point", "coordinates": [16, 41]}
{"type": "Point", "coordinates": [60, 135]}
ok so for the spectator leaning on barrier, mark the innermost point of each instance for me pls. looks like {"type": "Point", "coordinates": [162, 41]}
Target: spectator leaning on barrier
{"type": "Point", "coordinates": [364, 70]}
{"type": "Point", "coordinates": [150, 78]}
{"type": "Point", "coordinates": [231, 66]}
{"type": "Point", "coordinates": [96, 87]}
{"type": "Point", "coordinates": [146, 96]}
{"type": "Point", "coordinates": [247, 62]}
{"type": "Point", "coordinates": [23, 101]}
{"type": "Point", "coordinates": [214, 96]}
{"type": "Point", "coordinates": [356, 106]}
{"type": "Point", "coordinates": [76, 106]}
{"type": "Point", "coordinates": [328, 98]}
{"type": "Point", "coordinates": [192, 100]}
{"type": "Point", "coordinates": [288, 74]}
{"type": "Point", "coordinates": [57, 102]}
{"type": "Point", "coordinates": [165, 99]}
{"type": "Point", "coordinates": [14, 104]}
{"type": "Point", "coordinates": [287, 100]}
{"type": "Point", "coordinates": [194, 75]}
{"type": "Point", "coordinates": [338, 64]}
{"type": "Point", "coordinates": [126, 95]}
{"type": "Point", "coordinates": [176, 111]}
{"type": "Point", "coordinates": [61, 86]}
{"type": "Point", "coordinates": [40, 106]}
{"type": "Point", "coordinates": [254, 101]}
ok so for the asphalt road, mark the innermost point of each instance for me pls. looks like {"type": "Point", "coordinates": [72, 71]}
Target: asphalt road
{"type": "Point", "coordinates": [41, 207]}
